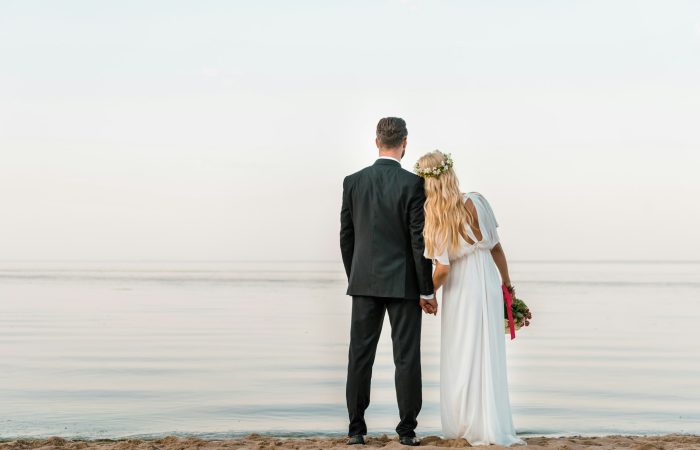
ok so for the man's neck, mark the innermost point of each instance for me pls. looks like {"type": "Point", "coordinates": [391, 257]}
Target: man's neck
{"type": "Point", "coordinates": [396, 156]}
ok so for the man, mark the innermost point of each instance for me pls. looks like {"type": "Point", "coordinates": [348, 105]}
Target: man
{"type": "Point", "coordinates": [381, 240]}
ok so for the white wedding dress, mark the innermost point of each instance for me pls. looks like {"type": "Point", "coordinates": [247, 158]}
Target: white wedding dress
{"type": "Point", "coordinates": [474, 401]}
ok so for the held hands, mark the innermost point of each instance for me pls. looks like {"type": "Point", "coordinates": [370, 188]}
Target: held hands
{"type": "Point", "coordinates": [429, 306]}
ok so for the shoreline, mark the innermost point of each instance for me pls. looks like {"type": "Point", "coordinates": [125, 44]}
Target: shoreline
{"type": "Point", "coordinates": [266, 442]}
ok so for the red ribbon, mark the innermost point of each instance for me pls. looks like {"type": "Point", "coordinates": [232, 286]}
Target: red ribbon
{"type": "Point", "coordinates": [508, 299]}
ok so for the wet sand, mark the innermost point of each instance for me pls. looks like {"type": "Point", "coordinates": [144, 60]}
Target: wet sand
{"type": "Point", "coordinates": [257, 442]}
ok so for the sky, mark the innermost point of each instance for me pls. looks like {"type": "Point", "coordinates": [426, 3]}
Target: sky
{"type": "Point", "coordinates": [222, 130]}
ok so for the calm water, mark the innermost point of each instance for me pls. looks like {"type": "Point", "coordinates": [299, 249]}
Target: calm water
{"type": "Point", "coordinates": [221, 349]}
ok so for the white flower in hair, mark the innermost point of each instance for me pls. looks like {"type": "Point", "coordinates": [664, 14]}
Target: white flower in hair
{"type": "Point", "coordinates": [435, 171]}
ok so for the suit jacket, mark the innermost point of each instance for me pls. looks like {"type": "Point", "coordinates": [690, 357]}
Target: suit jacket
{"type": "Point", "coordinates": [381, 233]}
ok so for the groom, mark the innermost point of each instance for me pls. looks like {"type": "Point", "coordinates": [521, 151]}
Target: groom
{"type": "Point", "coordinates": [381, 239]}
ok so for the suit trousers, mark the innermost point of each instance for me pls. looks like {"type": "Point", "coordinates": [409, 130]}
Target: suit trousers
{"type": "Point", "coordinates": [405, 317]}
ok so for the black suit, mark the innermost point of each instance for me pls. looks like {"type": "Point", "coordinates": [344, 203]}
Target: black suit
{"type": "Point", "coordinates": [381, 239]}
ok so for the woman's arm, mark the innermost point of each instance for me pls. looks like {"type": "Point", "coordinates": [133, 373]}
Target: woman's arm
{"type": "Point", "coordinates": [499, 257]}
{"type": "Point", "coordinates": [440, 275]}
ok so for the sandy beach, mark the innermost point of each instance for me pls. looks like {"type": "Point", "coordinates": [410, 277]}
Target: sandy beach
{"type": "Point", "coordinates": [257, 442]}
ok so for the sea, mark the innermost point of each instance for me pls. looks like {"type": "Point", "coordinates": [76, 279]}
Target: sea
{"type": "Point", "coordinates": [222, 349]}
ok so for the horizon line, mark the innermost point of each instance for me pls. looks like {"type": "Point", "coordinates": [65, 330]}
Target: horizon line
{"type": "Point", "coordinates": [338, 261]}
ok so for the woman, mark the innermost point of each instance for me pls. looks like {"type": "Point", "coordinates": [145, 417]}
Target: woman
{"type": "Point", "coordinates": [461, 238]}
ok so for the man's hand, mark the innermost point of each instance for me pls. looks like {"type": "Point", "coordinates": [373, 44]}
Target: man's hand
{"type": "Point", "coordinates": [429, 306]}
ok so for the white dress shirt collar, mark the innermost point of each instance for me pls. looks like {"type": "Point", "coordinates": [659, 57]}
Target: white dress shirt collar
{"type": "Point", "coordinates": [389, 157]}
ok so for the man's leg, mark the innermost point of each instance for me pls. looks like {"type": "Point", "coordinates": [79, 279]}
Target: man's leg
{"type": "Point", "coordinates": [365, 328]}
{"type": "Point", "coordinates": [405, 317]}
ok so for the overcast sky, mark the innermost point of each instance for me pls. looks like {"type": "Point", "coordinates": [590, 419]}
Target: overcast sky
{"type": "Point", "coordinates": [207, 130]}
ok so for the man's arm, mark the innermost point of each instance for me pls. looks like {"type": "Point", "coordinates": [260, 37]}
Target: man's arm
{"type": "Point", "coordinates": [347, 230]}
{"type": "Point", "coordinates": [416, 222]}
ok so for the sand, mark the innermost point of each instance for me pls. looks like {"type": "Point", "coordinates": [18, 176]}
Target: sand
{"type": "Point", "coordinates": [257, 442]}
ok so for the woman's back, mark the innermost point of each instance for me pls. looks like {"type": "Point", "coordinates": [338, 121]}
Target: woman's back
{"type": "Point", "coordinates": [480, 226]}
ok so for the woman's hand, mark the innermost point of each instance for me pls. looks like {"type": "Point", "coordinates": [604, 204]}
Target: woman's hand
{"type": "Point", "coordinates": [510, 288]}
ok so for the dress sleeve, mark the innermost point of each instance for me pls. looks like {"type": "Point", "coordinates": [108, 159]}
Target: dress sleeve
{"type": "Point", "coordinates": [487, 219]}
{"type": "Point", "coordinates": [443, 258]}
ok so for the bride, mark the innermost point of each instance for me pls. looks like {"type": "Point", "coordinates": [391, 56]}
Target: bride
{"type": "Point", "coordinates": [461, 238]}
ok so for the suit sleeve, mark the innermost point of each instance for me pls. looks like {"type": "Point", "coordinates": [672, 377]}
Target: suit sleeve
{"type": "Point", "coordinates": [347, 230]}
{"type": "Point", "coordinates": [416, 222]}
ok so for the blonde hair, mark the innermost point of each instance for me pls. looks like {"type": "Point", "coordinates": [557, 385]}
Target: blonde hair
{"type": "Point", "coordinates": [445, 211]}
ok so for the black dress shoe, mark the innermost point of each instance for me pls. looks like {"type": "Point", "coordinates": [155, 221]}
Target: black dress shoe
{"type": "Point", "coordinates": [408, 440]}
{"type": "Point", "coordinates": [358, 439]}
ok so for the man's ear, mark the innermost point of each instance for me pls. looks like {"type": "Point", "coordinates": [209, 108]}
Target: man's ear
{"type": "Point", "coordinates": [376, 141]}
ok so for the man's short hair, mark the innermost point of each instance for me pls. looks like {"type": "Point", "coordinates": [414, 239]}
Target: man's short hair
{"type": "Point", "coordinates": [391, 131]}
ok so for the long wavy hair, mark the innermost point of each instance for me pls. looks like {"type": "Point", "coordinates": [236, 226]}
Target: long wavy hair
{"type": "Point", "coordinates": [445, 211]}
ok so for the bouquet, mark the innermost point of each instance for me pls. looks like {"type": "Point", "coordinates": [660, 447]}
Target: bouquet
{"type": "Point", "coordinates": [520, 312]}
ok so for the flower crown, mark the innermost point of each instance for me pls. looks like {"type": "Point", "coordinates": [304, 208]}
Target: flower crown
{"type": "Point", "coordinates": [435, 171]}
